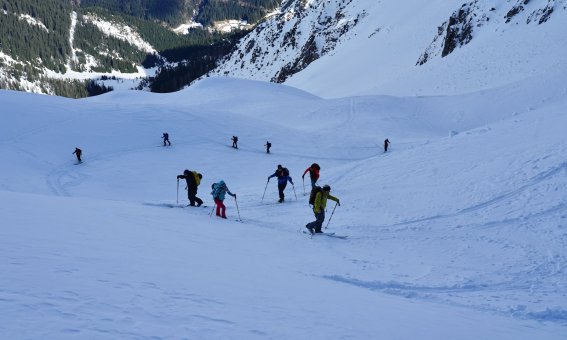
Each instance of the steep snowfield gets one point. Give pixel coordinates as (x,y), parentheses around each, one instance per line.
(368,47)
(385,62)
(459,231)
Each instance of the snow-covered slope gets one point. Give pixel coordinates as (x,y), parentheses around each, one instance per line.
(357,47)
(457,232)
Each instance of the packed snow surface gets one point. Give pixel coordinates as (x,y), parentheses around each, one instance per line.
(459,231)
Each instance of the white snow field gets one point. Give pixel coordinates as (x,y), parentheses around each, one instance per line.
(458,232)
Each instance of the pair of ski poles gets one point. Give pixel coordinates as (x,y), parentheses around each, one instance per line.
(237,209)
(211,214)
(264,194)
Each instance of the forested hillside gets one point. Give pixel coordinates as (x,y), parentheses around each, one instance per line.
(44,42)
(169,11)
(174,12)
(247,10)
(36,31)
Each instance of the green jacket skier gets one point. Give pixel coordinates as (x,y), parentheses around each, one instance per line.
(319,209)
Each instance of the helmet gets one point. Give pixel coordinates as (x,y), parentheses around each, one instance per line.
(326,187)
(279,166)
(186,172)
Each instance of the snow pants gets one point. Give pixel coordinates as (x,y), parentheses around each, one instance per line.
(318,223)
(281,188)
(313,183)
(221,209)
(192,195)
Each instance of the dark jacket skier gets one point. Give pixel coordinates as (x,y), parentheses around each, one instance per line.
(219,191)
(283,177)
(193,179)
(313,173)
(165,138)
(235,142)
(78,152)
(386,144)
(268,146)
(319,209)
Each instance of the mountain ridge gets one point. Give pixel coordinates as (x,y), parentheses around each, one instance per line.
(383,44)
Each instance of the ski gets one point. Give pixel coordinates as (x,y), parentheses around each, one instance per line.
(326,234)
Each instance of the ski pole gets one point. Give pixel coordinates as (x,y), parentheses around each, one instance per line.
(303,179)
(329,221)
(211,214)
(265,189)
(293,185)
(236,201)
(177,191)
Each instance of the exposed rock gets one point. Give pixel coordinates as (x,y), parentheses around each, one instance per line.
(288,42)
(543,14)
(459,30)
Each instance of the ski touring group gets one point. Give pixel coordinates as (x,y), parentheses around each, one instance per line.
(318,196)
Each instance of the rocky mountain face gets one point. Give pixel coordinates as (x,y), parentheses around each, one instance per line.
(306,30)
(459,29)
(300,33)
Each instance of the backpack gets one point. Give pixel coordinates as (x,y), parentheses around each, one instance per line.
(285,172)
(217,189)
(313,195)
(312,169)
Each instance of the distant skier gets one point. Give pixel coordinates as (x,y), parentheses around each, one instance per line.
(165,138)
(319,208)
(268,146)
(313,173)
(386,144)
(193,179)
(219,191)
(235,142)
(283,177)
(78,152)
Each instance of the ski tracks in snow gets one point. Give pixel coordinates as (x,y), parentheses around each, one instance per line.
(559,170)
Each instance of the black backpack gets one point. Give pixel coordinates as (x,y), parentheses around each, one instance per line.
(285,172)
(312,171)
(313,195)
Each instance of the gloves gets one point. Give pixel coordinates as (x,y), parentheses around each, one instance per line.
(339,203)
(303,176)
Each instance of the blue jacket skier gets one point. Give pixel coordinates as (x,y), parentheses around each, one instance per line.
(283,177)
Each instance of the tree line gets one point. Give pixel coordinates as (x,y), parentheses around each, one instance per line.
(46,44)
(174,12)
(49,46)
(251,11)
(200,60)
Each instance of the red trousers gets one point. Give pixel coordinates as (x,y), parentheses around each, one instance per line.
(221,209)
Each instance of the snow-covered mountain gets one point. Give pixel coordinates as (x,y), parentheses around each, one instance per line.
(459,231)
(381,46)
